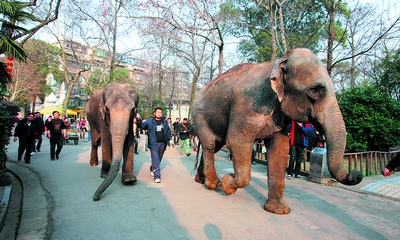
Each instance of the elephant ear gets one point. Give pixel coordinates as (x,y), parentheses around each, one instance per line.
(277,78)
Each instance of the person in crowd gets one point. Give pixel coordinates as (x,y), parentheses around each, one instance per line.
(16,118)
(393,164)
(88,131)
(40,128)
(171,126)
(136,134)
(82,127)
(56,132)
(176,130)
(298,141)
(146,144)
(49,118)
(25,132)
(185,129)
(67,127)
(257,143)
(159,135)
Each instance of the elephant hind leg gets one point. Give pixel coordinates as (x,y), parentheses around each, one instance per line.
(94,159)
(200,177)
(211,179)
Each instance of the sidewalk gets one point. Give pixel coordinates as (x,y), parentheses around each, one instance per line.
(35,205)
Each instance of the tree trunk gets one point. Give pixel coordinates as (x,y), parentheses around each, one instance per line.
(194,88)
(331,12)
(272,31)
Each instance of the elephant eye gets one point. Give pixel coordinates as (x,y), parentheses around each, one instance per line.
(316,92)
(319,90)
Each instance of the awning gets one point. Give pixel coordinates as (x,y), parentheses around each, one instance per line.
(51,109)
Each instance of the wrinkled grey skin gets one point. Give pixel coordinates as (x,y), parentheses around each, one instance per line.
(110,112)
(257,101)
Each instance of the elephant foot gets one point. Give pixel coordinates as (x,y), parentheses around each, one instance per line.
(212,183)
(128,178)
(228,184)
(277,207)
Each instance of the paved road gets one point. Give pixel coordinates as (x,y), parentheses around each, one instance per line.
(58,203)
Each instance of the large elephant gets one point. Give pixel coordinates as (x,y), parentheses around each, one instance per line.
(110,112)
(257,101)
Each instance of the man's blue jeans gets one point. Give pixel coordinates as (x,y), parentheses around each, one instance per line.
(156,157)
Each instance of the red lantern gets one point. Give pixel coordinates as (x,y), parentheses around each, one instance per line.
(9,65)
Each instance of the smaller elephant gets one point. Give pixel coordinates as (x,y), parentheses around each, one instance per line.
(110,112)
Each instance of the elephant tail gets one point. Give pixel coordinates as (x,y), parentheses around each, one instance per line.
(197,155)
(108,180)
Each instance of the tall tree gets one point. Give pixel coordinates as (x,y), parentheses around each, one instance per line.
(367,28)
(371,117)
(266,31)
(388,72)
(202,18)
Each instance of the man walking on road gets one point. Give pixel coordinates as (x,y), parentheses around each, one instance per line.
(56,132)
(159,135)
(25,131)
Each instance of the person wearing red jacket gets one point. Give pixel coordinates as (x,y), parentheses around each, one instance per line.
(298,141)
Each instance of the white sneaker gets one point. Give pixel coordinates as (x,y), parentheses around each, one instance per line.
(151,173)
(32,153)
(157,180)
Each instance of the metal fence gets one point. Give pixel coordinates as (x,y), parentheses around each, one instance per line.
(369,163)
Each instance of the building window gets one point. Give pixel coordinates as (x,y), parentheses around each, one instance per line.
(101,52)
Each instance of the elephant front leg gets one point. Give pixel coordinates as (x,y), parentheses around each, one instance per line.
(128,176)
(106,150)
(277,159)
(241,151)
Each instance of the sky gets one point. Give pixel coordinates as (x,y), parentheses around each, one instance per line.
(133,40)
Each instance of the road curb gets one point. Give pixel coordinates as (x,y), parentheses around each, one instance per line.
(5,200)
(34,223)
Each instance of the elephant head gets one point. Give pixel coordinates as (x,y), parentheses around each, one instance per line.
(117,106)
(307,94)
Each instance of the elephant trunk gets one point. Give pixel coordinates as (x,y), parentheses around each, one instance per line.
(335,133)
(108,180)
(119,128)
